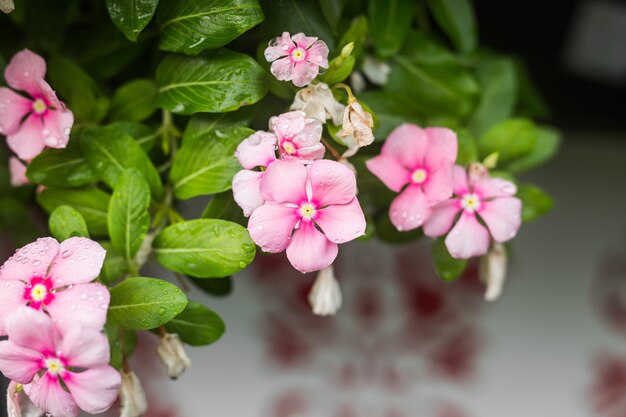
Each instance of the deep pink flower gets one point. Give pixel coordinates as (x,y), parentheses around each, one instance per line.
(56,278)
(296,58)
(308,210)
(416,162)
(37,353)
(17,170)
(486,201)
(298,137)
(40,120)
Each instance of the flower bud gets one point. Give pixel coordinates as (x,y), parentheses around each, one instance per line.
(132,396)
(18,404)
(318,102)
(173,355)
(492,271)
(7,6)
(325,296)
(357,127)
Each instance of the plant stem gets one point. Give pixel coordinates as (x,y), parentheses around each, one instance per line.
(334,152)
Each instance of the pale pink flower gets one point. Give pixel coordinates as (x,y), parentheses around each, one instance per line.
(417,163)
(32,123)
(298,137)
(308,210)
(17,170)
(37,353)
(56,278)
(296,58)
(486,201)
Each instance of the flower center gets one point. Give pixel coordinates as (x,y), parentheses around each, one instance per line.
(419,176)
(289,147)
(39,106)
(307,210)
(39,292)
(298,54)
(54,365)
(470,202)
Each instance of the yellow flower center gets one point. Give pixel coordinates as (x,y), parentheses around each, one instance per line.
(419,176)
(54,365)
(298,54)
(39,292)
(289,148)
(470,202)
(39,106)
(307,211)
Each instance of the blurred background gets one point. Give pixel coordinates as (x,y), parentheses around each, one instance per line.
(405,344)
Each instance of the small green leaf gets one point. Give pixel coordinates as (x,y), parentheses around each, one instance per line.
(456,18)
(66,222)
(217,287)
(197,325)
(114,265)
(191,26)
(120,348)
(223,206)
(204,248)
(134,101)
(145,303)
(131,16)
(535,202)
(547,145)
(512,139)
(390,21)
(61,168)
(357,34)
(447,267)
(129,219)
(340,67)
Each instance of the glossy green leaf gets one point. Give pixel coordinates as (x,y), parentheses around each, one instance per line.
(535,202)
(145,136)
(114,265)
(145,303)
(357,34)
(546,146)
(66,222)
(61,168)
(456,18)
(512,139)
(201,124)
(192,26)
(390,21)
(122,343)
(134,101)
(131,16)
(204,248)
(207,164)
(447,267)
(223,206)
(218,287)
(216,82)
(197,325)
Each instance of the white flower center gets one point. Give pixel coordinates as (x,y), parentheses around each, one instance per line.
(54,365)
(298,54)
(307,210)
(38,292)
(289,148)
(39,106)
(419,176)
(470,202)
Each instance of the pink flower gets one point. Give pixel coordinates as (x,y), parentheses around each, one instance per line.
(298,137)
(308,210)
(46,121)
(486,201)
(37,353)
(416,162)
(56,278)
(296,58)
(18,172)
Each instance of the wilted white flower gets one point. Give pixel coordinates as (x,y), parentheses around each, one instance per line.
(356,129)
(18,404)
(325,296)
(173,355)
(7,6)
(492,270)
(376,71)
(318,102)
(132,396)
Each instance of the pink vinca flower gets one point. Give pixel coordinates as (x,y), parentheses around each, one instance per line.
(296,58)
(417,163)
(17,170)
(34,122)
(298,137)
(308,210)
(66,370)
(56,278)
(480,201)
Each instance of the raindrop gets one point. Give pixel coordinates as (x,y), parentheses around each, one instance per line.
(162,311)
(66,253)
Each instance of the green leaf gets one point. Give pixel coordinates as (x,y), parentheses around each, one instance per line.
(447,267)
(114,265)
(391,110)
(144,135)
(109,152)
(207,164)
(357,34)
(61,168)
(456,18)
(192,26)
(145,303)
(120,348)
(468,150)
(131,16)
(512,139)
(91,203)
(204,248)
(134,101)
(197,325)
(340,67)
(66,222)
(332,10)
(546,146)
(387,232)
(216,82)
(223,206)
(535,202)
(201,124)
(218,287)
(390,21)
(129,219)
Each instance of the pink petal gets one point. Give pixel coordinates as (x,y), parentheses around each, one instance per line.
(247,190)
(270,226)
(48,94)
(310,250)
(311,153)
(303,73)
(318,54)
(282,69)
(442,147)
(303,41)
(32,329)
(310,134)
(468,238)
(28,141)
(342,223)
(30,260)
(331,183)
(94,390)
(48,394)
(11,297)
(79,261)
(503,217)
(409,209)
(459,180)
(58,125)
(13,108)
(441,218)
(288,125)
(258,150)
(495,187)
(438,186)
(389,171)
(80,305)
(18,172)
(407,144)
(279,47)
(18,363)
(24,72)
(85,347)
(285,182)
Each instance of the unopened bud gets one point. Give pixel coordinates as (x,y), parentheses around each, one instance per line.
(492,270)
(173,355)
(491,160)
(325,296)
(132,396)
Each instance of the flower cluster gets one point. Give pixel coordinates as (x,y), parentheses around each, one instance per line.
(53,315)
